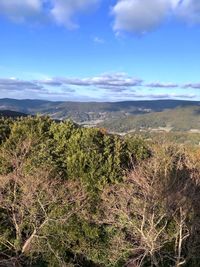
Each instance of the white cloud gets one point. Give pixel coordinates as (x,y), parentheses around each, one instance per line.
(139,16)
(60,11)
(98,40)
(19,10)
(63,11)
(192,85)
(174,3)
(189,10)
(162,85)
(135,16)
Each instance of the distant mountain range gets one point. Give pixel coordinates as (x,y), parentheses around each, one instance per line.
(118,116)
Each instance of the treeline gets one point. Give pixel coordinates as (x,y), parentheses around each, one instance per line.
(72,196)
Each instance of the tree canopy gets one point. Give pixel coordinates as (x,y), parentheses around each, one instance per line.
(73,196)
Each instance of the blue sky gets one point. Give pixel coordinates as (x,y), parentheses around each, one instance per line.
(100,50)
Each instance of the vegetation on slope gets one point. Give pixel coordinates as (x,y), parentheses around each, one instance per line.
(179,119)
(71,196)
(92,111)
(11,114)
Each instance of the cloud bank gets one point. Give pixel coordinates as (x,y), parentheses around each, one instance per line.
(13,84)
(113,82)
(106,86)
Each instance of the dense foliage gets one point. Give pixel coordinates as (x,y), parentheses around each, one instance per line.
(73,196)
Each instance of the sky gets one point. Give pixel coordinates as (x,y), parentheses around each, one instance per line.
(100,50)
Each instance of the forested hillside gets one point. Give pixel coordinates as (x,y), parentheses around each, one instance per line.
(179,119)
(96,112)
(73,196)
(11,114)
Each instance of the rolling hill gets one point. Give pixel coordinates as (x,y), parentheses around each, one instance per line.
(179,119)
(86,111)
(175,115)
